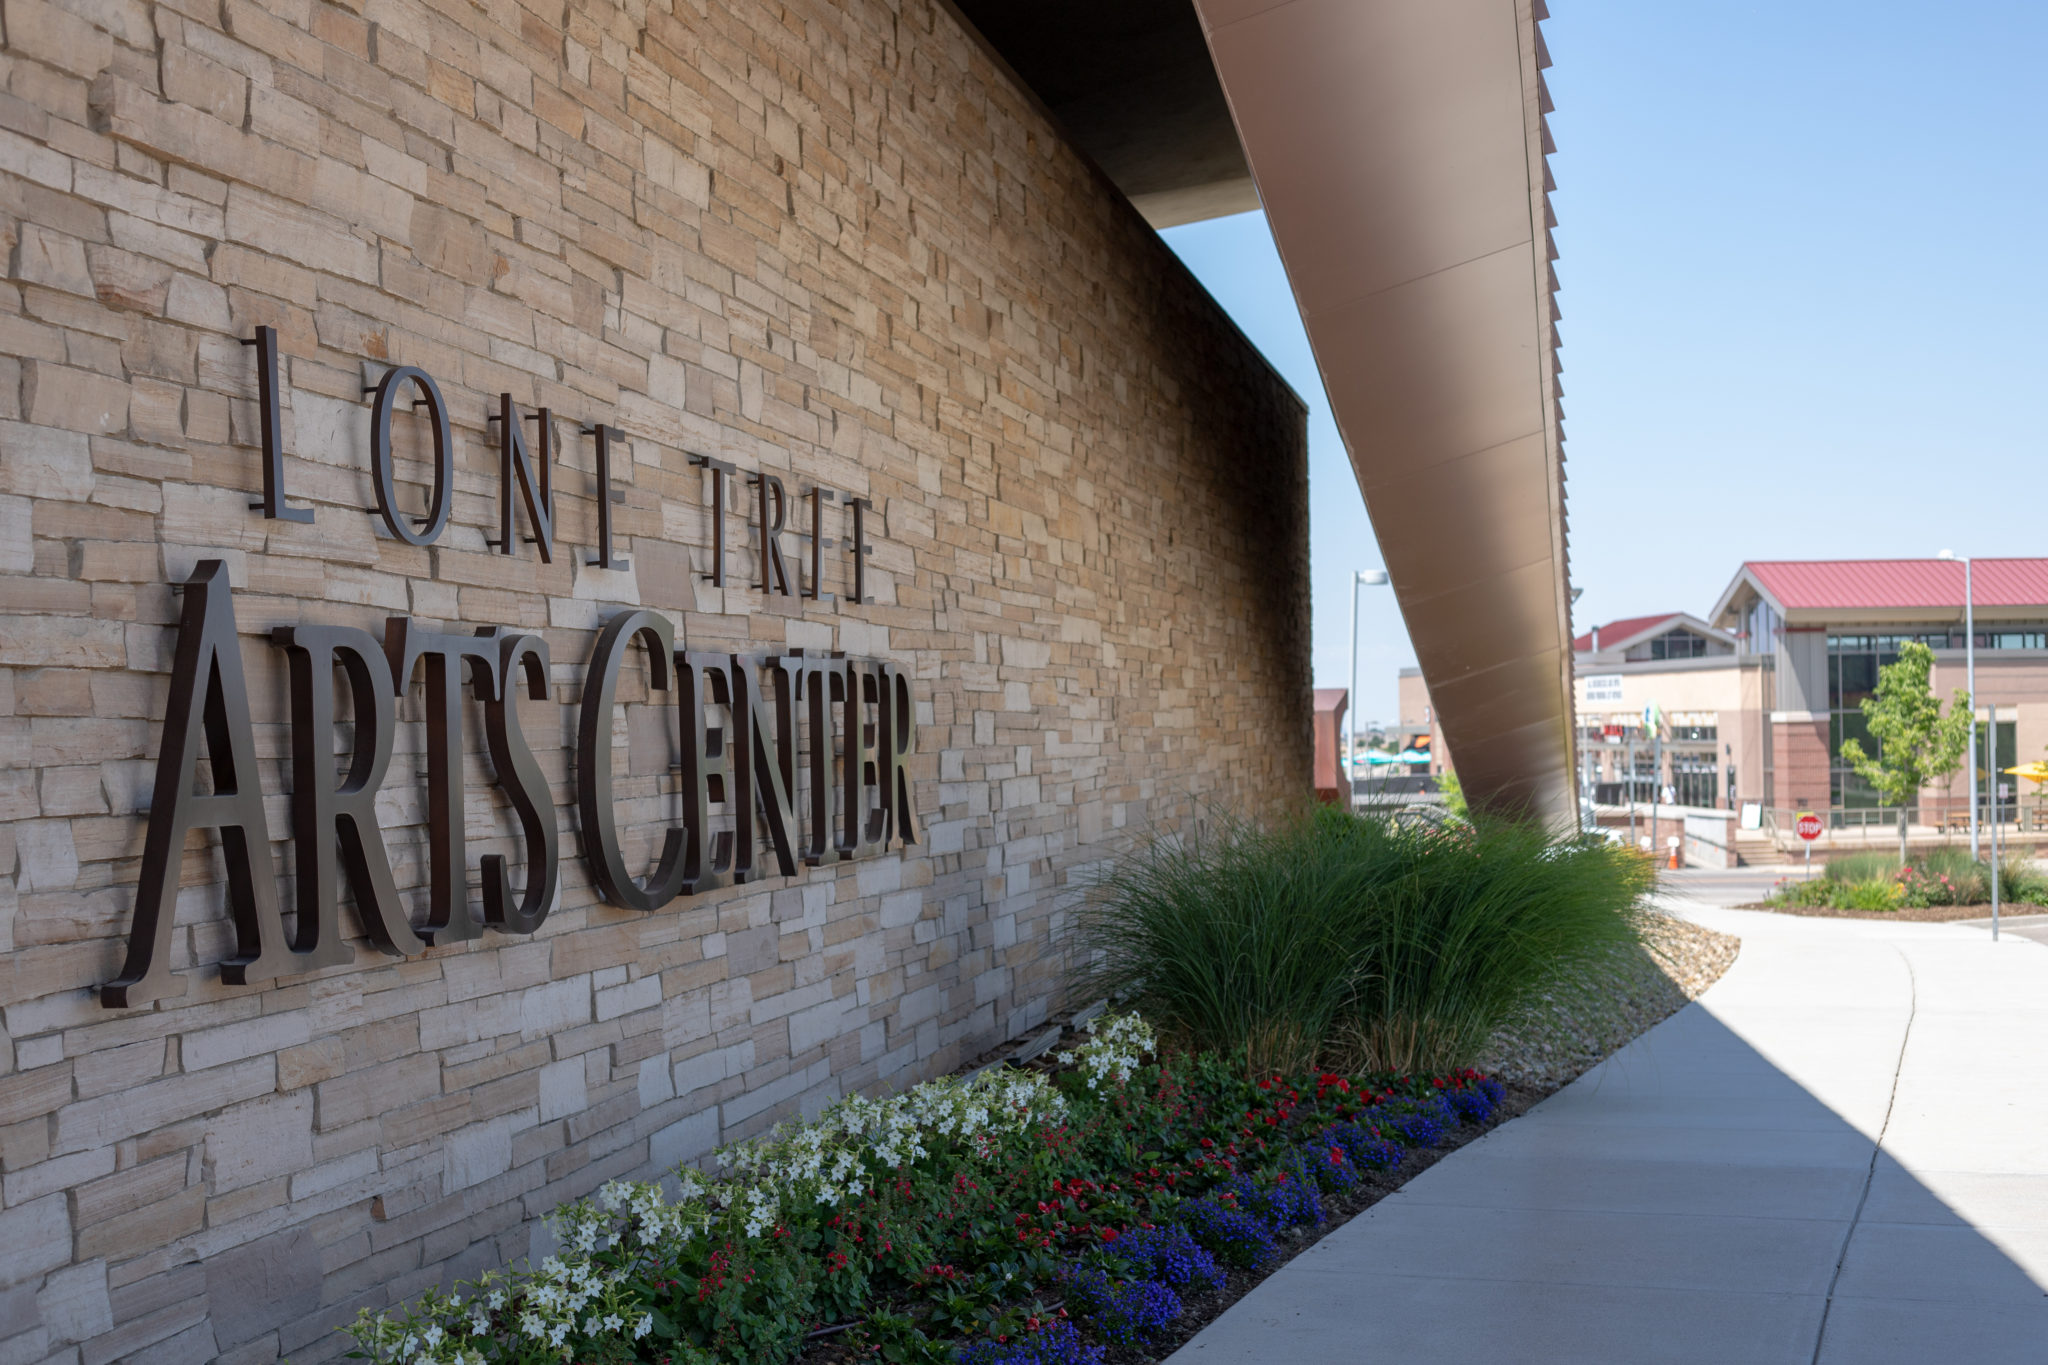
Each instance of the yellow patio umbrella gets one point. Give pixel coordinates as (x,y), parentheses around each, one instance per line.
(2036,771)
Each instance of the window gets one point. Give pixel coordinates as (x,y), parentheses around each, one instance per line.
(1678,644)
(1760,627)
(1696,779)
(1695,732)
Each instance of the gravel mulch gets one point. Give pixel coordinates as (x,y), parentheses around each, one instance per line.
(1918,914)
(1603,1007)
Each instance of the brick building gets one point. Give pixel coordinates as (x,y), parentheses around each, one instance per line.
(1755,697)
(780,284)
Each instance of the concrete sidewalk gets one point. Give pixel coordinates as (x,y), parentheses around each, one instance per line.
(1840,1154)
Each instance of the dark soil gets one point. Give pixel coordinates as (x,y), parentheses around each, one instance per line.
(1923,914)
(1203,1306)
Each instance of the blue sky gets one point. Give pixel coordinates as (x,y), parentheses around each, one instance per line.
(1804,268)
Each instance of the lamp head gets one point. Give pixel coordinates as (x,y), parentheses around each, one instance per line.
(1946,554)
(1372,576)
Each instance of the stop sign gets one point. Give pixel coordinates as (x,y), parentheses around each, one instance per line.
(1809,826)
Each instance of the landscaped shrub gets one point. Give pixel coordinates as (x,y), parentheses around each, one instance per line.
(1234,1235)
(1357,941)
(2021,882)
(1366,1148)
(1121,1312)
(1940,876)
(1871,896)
(1056,1343)
(1166,1254)
(938,1224)
(1872,866)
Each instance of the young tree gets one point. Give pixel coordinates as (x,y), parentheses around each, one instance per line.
(1916,743)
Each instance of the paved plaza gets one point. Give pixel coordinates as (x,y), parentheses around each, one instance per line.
(1839,1154)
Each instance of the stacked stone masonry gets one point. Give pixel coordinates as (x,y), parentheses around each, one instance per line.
(828,240)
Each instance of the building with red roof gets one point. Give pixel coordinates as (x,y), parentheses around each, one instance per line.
(1750,703)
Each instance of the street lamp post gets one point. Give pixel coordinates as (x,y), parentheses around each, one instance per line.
(1970,685)
(1374,577)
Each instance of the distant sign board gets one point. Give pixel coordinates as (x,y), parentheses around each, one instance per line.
(1603,687)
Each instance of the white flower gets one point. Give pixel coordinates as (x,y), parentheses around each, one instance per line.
(644,1326)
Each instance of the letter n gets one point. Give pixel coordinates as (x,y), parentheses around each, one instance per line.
(516,471)
(208,698)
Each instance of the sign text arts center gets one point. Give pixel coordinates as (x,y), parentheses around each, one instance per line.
(845,726)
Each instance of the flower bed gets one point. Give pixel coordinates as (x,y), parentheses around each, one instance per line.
(1935,879)
(1011,1219)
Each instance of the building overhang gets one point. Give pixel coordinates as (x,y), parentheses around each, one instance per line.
(1398,149)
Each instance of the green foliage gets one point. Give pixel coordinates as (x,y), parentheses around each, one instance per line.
(976,1205)
(1939,876)
(1453,793)
(1809,893)
(1354,941)
(2021,882)
(1917,744)
(1872,896)
(1862,867)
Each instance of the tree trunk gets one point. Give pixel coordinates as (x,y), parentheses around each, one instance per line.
(1902,836)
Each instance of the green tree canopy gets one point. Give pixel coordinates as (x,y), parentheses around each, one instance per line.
(1917,744)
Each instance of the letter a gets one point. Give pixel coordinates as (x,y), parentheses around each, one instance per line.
(208,696)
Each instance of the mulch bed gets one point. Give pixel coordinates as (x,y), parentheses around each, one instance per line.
(1918,914)
(1202,1305)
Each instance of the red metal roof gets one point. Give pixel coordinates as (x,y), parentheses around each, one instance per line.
(1853,584)
(1614,632)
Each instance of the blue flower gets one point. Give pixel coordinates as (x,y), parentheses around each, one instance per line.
(1056,1344)
(1167,1254)
(1330,1166)
(1473,1106)
(1366,1148)
(1121,1312)
(1286,1198)
(1233,1234)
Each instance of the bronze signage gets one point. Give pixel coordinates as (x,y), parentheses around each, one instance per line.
(810,762)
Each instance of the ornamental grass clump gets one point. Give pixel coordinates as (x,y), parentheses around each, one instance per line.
(1354,941)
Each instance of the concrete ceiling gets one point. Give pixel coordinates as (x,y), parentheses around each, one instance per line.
(1132,83)
(1398,148)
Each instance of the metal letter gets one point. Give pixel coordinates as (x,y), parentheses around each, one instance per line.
(330,822)
(514,465)
(606,495)
(270,413)
(862,831)
(720,472)
(861,549)
(594,763)
(526,785)
(819,684)
(448,914)
(704,680)
(899,742)
(774,575)
(429,527)
(763,786)
(207,695)
(820,542)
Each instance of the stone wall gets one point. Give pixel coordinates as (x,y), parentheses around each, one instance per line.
(830,241)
